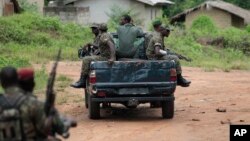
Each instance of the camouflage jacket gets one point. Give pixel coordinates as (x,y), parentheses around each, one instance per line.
(32,114)
(103,44)
(156,40)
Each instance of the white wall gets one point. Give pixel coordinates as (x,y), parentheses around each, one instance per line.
(99,8)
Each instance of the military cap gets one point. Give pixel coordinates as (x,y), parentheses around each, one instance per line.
(94,25)
(157,23)
(103,26)
(25,73)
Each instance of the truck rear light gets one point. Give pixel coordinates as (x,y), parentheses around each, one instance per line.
(101,94)
(92,77)
(173,75)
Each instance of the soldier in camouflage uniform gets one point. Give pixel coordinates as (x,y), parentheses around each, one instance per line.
(27,83)
(95,30)
(107,53)
(155,51)
(32,117)
(22,117)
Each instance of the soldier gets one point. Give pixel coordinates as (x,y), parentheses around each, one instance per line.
(107,53)
(26,81)
(22,117)
(155,51)
(127,34)
(95,30)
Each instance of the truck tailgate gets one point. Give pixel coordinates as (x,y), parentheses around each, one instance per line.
(125,77)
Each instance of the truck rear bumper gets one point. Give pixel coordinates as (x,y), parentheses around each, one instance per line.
(139,99)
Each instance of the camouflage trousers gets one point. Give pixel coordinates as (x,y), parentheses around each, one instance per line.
(86,62)
(169,58)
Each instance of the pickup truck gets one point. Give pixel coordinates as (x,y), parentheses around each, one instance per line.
(131,82)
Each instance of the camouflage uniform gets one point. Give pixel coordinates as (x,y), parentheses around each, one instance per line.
(104,53)
(158,40)
(32,114)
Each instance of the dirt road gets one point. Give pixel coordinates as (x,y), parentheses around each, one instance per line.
(196,118)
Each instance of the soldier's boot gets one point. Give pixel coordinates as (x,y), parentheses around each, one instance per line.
(81,83)
(181,81)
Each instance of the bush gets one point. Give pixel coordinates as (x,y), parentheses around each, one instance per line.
(248,28)
(203,26)
(236,38)
(15,62)
(37,38)
(208,57)
(115,14)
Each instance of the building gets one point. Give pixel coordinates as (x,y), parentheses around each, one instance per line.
(223,14)
(7,7)
(96,10)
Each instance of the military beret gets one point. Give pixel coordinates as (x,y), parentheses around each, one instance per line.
(103,26)
(25,73)
(157,23)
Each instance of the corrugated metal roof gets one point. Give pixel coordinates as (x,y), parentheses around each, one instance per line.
(230,8)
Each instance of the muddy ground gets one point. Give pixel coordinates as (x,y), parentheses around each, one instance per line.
(196,118)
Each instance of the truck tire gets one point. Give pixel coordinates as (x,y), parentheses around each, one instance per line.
(94,108)
(168,109)
(86,98)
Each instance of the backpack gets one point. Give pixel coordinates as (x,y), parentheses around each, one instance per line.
(11,126)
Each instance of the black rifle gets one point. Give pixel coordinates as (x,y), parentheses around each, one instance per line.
(50,96)
(181,57)
(49,106)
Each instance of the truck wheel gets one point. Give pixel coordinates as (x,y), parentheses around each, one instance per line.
(86,98)
(94,108)
(168,109)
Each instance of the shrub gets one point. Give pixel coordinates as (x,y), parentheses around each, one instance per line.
(115,14)
(203,26)
(236,38)
(15,62)
(248,28)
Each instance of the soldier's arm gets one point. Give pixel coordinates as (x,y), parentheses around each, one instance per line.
(140,32)
(38,116)
(112,50)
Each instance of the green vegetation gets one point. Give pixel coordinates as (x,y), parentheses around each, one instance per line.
(36,38)
(115,14)
(30,38)
(229,56)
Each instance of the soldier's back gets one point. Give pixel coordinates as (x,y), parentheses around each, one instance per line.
(21,117)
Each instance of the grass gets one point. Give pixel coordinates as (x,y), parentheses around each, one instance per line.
(28,38)
(229,57)
(37,39)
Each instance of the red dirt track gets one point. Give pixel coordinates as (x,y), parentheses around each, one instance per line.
(196,118)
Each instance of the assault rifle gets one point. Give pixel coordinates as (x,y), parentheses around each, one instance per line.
(49,106)
(50,96)
(181,57)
